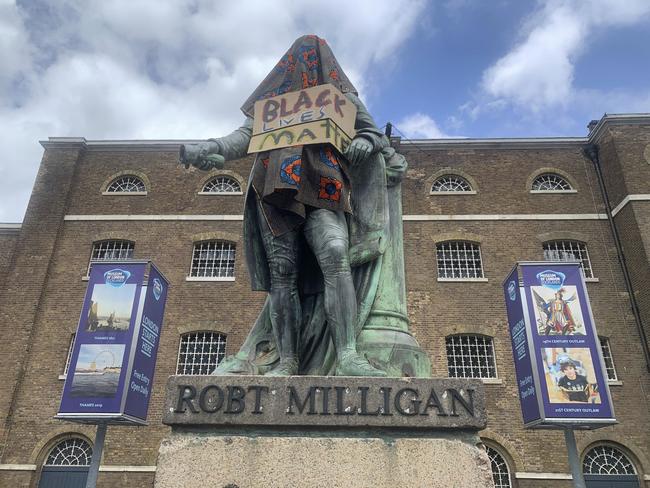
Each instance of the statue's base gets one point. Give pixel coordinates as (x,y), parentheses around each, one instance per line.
(323,431)
(328,460)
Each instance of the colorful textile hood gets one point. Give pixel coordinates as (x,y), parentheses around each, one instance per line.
(308,62)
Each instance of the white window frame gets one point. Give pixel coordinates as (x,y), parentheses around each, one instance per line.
(606,350)
(505,462)
(568,190)
(489,343)
(449,243)
(580,248)
(471,190)
(221,193)
(68,358)
(99,243)
(609,456)
(220,342)
(78,443)
(197,277)
(132,193)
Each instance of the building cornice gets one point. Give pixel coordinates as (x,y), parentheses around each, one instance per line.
(10,227)
(430,144)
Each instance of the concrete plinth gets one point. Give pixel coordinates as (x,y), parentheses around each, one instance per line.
(328,460)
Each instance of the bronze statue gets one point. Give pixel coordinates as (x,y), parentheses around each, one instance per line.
(317,227)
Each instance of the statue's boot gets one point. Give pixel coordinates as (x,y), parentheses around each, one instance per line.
(286,367)
(354,365)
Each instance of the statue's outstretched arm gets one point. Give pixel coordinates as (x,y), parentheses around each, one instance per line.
(369,139)
(214,152)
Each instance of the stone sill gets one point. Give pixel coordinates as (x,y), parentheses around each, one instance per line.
(592,280)
(452,193)
(614,382)
(206,278)
(126,193)
(554,192)
(224,194)
(491,381)
(477,280)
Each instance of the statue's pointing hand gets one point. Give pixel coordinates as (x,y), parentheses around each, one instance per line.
(204,155)
(358,150)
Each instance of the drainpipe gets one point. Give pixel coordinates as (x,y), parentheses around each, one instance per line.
(591,152)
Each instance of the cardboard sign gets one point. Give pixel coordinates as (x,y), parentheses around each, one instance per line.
(558,362)
(114,356)
(317,115)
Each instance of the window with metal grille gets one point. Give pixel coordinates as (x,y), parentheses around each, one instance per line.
(200,352)
(126,184)
(213,259)
(69,356)
(70,452)
(500,471)
(459,259)
(470,356)
(550,182)
(569,251)
(110,251)
(607,460)
(607,357)
(450,183)
(222,184)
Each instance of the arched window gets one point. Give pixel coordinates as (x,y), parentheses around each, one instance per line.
(569,251)
(200,352)
(470,356)
(551,182)
(451,184)
(73,451)
(126,184)
(500,470)
(606,465)
(213,259)
(459,260)
(222,184)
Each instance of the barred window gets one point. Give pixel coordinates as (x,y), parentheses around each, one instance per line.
(200,352)
(69,356)
(607,357)
(569,251)
(470,356)
(222,184)
(550,182)
(70,452)
(126,184)
(450,183)
(500,471)
(459,259)
(213,259)
(607,460)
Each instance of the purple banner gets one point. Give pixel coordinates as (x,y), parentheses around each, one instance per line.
(100,374)
(146,349)
(563,346)
(526,384)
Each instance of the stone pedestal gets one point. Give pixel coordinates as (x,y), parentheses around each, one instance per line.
(205,459)
(314,431)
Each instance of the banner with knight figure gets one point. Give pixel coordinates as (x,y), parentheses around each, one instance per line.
(558,361)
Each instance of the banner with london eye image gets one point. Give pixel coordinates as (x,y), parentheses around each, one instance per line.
(113,360)
(97,373)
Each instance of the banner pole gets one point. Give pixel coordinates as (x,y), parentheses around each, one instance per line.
(93,471)
(574,460)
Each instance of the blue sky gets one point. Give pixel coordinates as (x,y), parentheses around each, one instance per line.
(180,69)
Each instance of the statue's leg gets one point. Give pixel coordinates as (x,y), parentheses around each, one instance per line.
(327,235)
(283,254)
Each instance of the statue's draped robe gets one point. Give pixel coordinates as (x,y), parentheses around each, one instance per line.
(310,62)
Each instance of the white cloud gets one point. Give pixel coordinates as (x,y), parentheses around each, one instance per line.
(538,72)
(420,126)
(129,69)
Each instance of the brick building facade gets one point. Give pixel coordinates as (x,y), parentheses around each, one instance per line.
(511,199)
